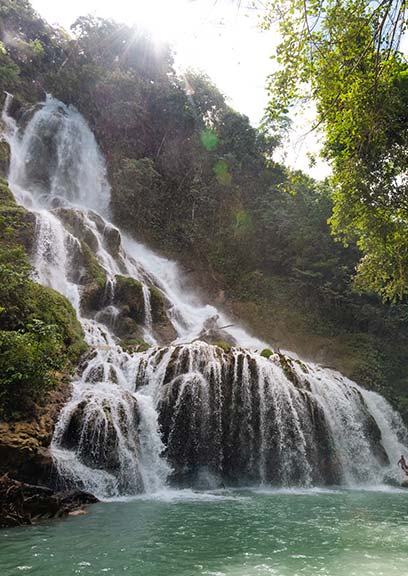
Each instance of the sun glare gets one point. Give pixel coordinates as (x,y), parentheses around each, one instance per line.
(219,37)
(167,21)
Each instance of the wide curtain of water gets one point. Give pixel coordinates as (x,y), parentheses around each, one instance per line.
(184,411)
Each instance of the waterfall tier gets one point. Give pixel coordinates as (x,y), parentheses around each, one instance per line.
(182,410)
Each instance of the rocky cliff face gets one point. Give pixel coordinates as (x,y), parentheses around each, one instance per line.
(24,443)
(169,390)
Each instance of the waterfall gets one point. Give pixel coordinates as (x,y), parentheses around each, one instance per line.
(183,409)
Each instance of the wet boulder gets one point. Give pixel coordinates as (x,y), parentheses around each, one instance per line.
(213,333)
(128,302)
(112,240)
(162,325)
(85,269)
(183,423)
(96,430)
(74,221)
(286,364)
(128,297)
(92,297)
(372,432)
(94,281)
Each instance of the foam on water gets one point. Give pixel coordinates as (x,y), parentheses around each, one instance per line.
(336,533)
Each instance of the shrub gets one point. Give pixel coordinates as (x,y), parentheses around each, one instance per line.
(39,335)
(28,360)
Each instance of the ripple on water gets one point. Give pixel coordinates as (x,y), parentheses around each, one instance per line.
(230,532)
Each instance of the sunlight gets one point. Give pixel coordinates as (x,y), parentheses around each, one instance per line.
(205,35)
(208,36)
(167,21)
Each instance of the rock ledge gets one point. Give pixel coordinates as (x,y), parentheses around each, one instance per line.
(22,503)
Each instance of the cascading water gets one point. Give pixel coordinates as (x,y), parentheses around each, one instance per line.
(183,409)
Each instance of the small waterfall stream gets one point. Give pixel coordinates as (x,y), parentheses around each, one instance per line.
(182,410)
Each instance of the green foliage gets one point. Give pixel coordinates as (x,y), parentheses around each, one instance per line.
(209,140)
(27,361)
(343,56)
(9,72)
(16,223)
(15,284)
(242,223)
(29,47)
(266,353)
(94,272)
(37,47)
(225,346)
(39,332)
(6,197)
(222,173)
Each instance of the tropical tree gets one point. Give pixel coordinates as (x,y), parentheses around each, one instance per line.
(343,55)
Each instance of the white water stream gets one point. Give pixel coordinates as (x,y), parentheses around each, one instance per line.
(184,408)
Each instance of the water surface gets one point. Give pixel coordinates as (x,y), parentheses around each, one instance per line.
(232,533)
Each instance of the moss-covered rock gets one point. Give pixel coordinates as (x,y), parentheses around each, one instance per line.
(126,328)
(73,221)
(133,345)
(266,353)
(163,328)
(302,365)
(92,296)
(128,296)
(128,303)
(6,196)
(94,272)
(93,278)
(4,158)
(158,304)
(40,340)
(225,346)
(290,373)
(53,308)
(17,225)
(112,240)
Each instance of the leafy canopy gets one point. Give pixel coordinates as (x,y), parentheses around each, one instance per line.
(344,57)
